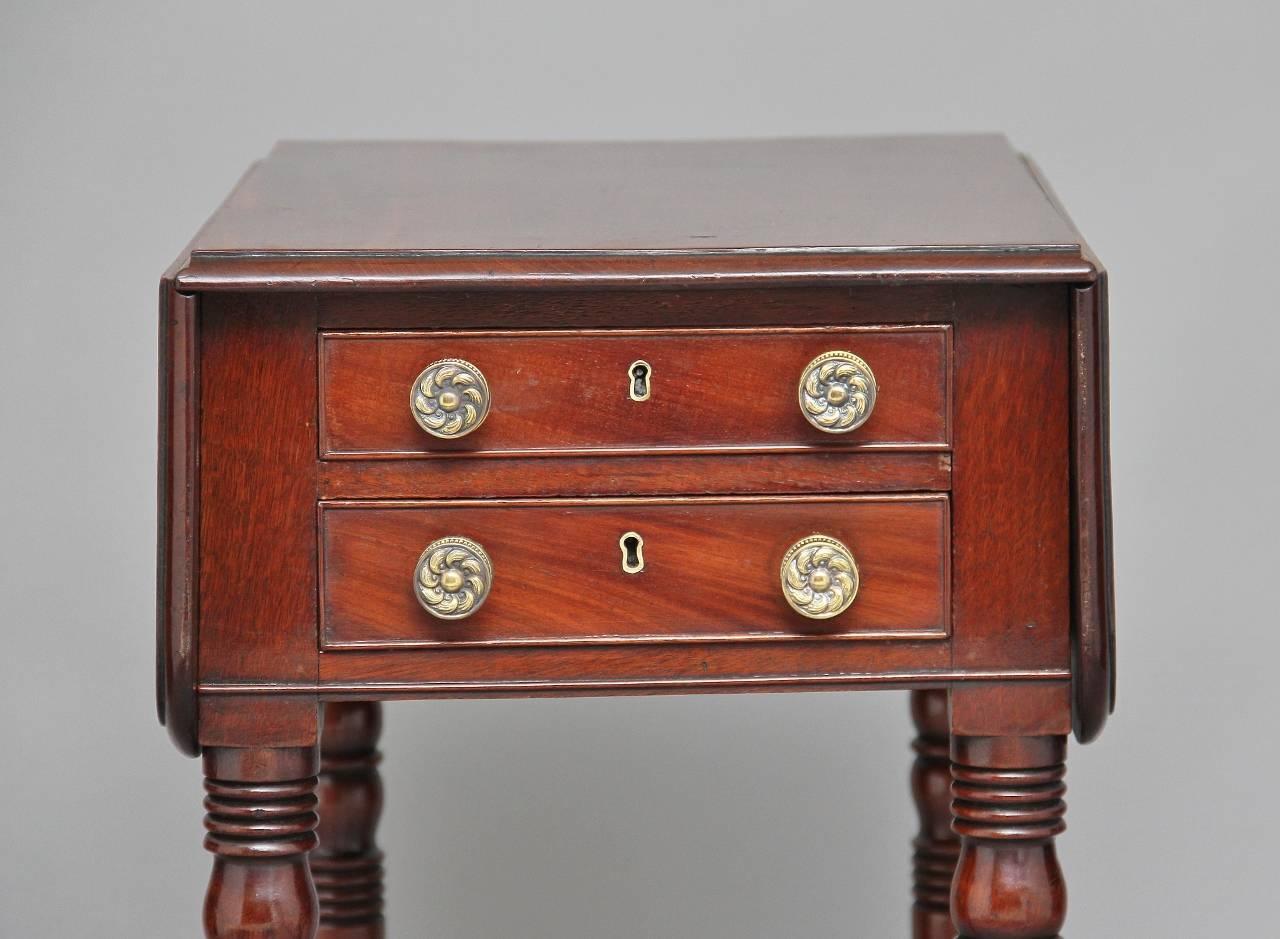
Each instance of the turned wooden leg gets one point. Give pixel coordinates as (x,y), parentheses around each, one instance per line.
(1008,807)
(347,865)
(261,821)
(936,846)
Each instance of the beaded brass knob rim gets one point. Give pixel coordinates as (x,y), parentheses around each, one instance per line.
(453,577)
(837,392)
(819,577)
(450,398)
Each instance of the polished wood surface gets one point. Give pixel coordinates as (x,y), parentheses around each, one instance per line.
(347,864)
(296,491)
(257,591)
(556,392)
(1010,499)
(177,515)
(711,570)
(840,469)
(1008,808)
(1094,637)
(936,846)
(261,822)
(695,196)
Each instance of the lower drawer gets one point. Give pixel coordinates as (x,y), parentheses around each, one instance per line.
(632,570)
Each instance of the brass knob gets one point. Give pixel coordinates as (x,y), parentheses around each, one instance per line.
(450,398)
(837,392)
(819,577)
(452,578)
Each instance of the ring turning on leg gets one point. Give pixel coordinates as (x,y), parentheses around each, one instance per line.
(1008,807)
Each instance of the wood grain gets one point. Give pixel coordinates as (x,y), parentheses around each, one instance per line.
(711,571)
(644,668)
(347,863)
(1008,807)
(261,823)
(1011,497)
(556,392)
(296,492)
(258,481)
(652,473)
(936,847)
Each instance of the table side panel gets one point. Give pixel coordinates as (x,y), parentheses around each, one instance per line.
(258,486)
(1011,501)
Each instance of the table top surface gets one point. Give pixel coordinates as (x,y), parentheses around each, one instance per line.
(895,194)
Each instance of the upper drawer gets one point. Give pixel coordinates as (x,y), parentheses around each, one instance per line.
(576,391)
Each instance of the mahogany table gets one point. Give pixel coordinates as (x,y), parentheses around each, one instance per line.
(481,419)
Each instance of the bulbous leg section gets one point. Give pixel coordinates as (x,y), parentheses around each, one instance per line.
(1008,807)
(936,846)
(347,865)
(261,821)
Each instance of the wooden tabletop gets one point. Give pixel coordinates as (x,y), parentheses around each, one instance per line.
(393,202)
(400,215)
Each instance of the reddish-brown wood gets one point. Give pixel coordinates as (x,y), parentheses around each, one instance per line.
(257,596)
(177,516)
(1010,494)
(347,864)
(936,846)
(689,196)
(1093,637)
(983,709)
(631,668)
(1093,646)
(562,392)
(976,498)
(815,473)
(633,308)
(711,569)
(261,822)
(1008,808)
(295,272)
(260,720)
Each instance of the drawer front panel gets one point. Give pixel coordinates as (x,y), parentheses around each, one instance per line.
(711,570)
(565,392)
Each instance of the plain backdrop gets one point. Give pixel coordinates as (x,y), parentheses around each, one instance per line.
(123,124)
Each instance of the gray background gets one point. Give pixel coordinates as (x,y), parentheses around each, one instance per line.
(123,124)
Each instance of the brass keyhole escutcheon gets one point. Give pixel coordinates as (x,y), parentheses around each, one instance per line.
(639,377)
(632,546)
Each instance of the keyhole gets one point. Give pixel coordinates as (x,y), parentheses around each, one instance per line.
(632,553)
(639,376)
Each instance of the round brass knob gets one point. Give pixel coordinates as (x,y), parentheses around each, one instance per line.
(450,398)
(452,578)
(837,392)
(819,577)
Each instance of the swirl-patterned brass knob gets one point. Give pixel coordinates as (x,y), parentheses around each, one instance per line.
(819,577)
(837,392)
(453,577)
(450,398)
